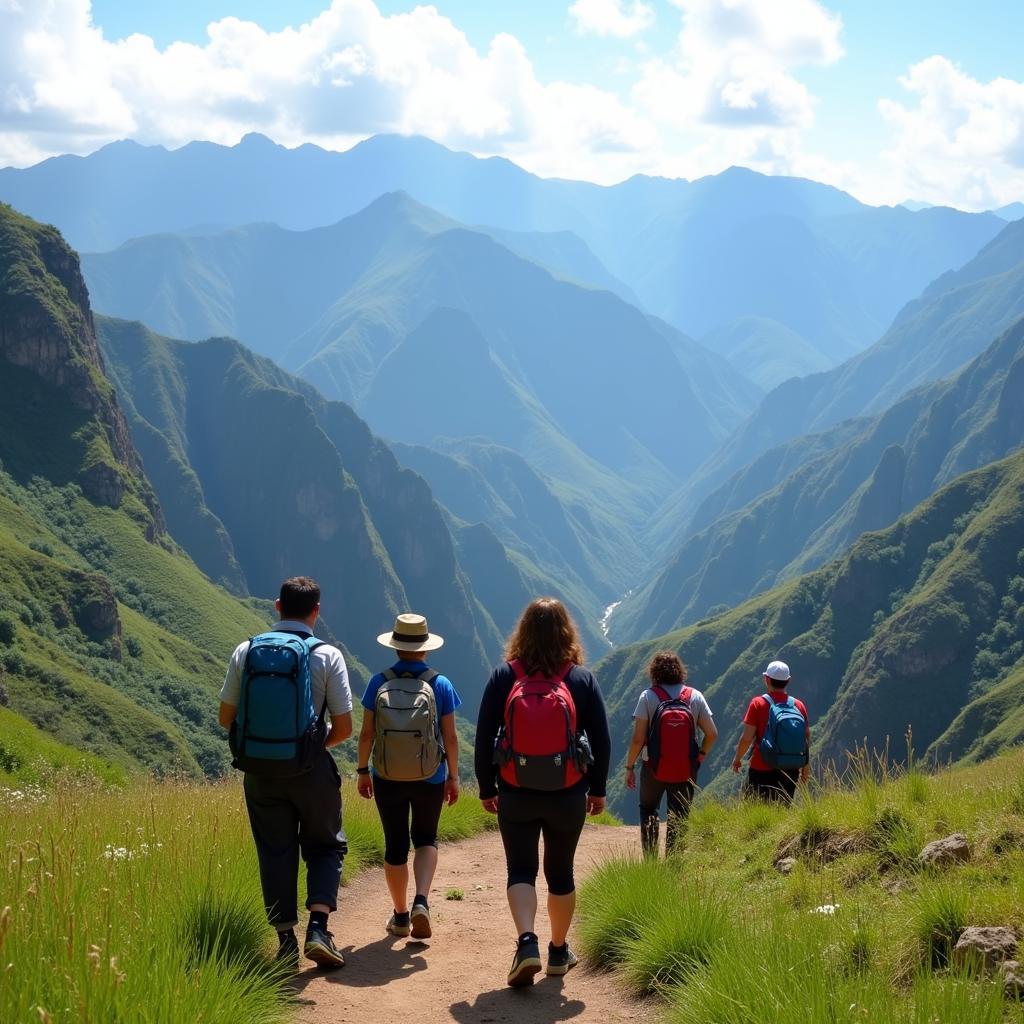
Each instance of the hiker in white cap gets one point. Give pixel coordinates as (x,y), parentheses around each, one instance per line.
(409,728)
(777,728)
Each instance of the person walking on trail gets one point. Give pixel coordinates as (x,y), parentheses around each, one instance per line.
(778,729)
(277,691)
(541,760)
(665,724)
(409,728)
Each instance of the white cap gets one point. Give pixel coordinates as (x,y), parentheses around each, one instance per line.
(777,670)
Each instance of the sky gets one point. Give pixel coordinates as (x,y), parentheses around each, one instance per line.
(896,100)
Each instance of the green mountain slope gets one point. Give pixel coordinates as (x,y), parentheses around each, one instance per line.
(765,350)
(909,629)
(863,483)
(951,322)
(327,497)
(111,640)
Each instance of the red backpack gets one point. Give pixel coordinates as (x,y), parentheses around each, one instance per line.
(537,747)
(672,737)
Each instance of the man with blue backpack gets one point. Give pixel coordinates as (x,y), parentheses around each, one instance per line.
(778,729)
(277,693)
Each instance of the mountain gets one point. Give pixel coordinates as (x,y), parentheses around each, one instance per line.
(112,642)
(398,297)
(917,627)
(698,254)
(328,497)
(950,323)
(765,525)
(1014,211)
(765,350)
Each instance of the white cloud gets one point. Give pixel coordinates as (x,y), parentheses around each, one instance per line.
(957,140)
(612,17)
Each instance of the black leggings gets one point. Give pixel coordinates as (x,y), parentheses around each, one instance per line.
(395,801)
(525,815)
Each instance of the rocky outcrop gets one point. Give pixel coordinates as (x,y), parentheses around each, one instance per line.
(954,849)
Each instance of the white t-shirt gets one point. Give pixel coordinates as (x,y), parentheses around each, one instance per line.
(327,669)
(649,701)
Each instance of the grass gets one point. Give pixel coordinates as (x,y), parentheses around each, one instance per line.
(141,904)
(858,931)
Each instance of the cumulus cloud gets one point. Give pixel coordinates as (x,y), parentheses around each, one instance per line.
(347,73)
(956,139)
(612,17)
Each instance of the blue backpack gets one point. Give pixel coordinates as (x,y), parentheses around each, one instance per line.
(276,730)
(784,744)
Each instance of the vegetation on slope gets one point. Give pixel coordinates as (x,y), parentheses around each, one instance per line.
(857,930)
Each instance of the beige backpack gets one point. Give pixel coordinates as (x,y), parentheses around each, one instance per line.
(407,745)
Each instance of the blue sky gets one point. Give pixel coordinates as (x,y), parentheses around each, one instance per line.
(889,100)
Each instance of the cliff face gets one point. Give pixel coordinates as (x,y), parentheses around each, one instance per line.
(47,332)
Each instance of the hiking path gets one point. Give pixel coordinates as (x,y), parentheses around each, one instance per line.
(459,973)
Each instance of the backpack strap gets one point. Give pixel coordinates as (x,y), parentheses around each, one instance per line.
(686,694)
(661,693)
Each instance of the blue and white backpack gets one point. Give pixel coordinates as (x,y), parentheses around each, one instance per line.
(276,730)
(784,744)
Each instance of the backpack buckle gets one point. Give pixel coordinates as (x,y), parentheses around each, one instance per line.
(522,761)
(558,760)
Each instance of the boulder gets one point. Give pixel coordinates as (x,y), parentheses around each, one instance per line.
(954,849)
(984,948)
(1013,979)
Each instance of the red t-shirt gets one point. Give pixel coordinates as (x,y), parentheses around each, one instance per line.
(757,716)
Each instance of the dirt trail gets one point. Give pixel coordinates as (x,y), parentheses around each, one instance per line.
(459,974)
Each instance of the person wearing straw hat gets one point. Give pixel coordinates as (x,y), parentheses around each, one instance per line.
(409,733)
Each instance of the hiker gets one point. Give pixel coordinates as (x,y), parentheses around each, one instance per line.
(778,729)
(665,725)
(278,688)
(542,752)
(409,725)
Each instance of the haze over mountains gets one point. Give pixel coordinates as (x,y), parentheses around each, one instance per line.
(465,385)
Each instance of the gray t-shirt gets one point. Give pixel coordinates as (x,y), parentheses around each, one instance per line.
(649,701)
(326,665)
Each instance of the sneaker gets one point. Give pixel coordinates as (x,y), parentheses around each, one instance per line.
(561,959)
(321,950)
(421,921)
(287,955)
(526,963)
(398,924)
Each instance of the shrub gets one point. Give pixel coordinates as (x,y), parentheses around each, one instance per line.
(8,628)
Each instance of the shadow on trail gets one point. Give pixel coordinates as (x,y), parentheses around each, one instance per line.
(376,963)
(543,1001)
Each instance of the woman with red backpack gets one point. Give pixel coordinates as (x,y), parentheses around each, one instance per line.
(665,723)
(542,752)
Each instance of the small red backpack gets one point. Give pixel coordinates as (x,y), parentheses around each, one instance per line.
(672,737)
(537,747)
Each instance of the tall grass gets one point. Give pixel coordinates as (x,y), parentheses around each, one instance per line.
(143,905)
(857,931)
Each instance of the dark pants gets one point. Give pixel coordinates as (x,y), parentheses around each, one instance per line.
(289,816)
(526,815)
(408,810)
(680,796)
(776,785)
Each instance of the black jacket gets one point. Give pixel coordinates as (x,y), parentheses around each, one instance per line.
(590,718)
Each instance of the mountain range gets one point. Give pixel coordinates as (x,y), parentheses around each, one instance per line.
(697,254)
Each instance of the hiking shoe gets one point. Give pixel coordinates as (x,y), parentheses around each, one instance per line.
(561,960)
(287,956)
(398,924)
(526,963)
(321,950)
(421,921)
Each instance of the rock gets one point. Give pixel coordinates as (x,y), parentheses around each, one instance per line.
(785,865)
(984,947)
(942,853)
(1013,979)
(894,886)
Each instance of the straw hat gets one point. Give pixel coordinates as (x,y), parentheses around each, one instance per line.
(411,634)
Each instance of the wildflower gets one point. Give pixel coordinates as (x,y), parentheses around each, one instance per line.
(828,909)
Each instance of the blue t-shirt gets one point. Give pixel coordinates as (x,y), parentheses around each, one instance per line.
(444,694)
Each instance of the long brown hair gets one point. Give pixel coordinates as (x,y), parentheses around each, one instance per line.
(545,637)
